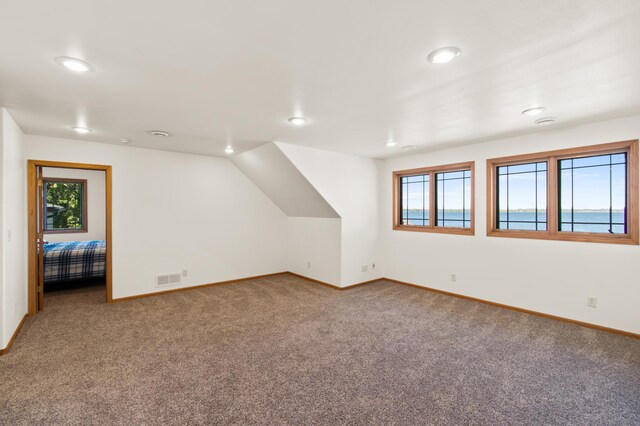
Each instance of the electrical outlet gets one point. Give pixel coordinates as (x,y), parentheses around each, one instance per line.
(9,235)
(454,278)
(185,273)
(365,268)
(308,265)
(592,302)
(373,266)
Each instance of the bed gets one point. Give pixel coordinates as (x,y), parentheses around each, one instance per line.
(74,260)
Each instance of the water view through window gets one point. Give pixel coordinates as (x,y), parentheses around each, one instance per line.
(522,197)
(415,200)
(453,199)
(593,194)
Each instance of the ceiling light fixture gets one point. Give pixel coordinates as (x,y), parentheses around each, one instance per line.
(545,121)
(160,133)
(391,144)
(297,121)
(81,130)
(125,140)
(533,111)
(444,55)
(409,147)
(74,64)
(229,149)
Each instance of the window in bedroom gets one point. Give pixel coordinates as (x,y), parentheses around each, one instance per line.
(585,194)
(66,205)
(434,199)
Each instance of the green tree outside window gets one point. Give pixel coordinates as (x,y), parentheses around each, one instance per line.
(65,205)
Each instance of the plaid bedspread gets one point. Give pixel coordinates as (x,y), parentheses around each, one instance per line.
(74,260)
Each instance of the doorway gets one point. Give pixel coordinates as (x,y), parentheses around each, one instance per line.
(41,214)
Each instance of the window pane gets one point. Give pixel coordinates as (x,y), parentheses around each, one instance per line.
(593,194)
(522,197)
(523,226)
(415,200)
(600,160)
(618,158)
(65,205)
(453,199)
(520,168)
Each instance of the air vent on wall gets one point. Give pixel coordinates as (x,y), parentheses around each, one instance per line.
(169,279)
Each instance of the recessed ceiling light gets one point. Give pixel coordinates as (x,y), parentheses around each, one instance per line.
(81,130)
(545,121)
(444,55)
(409,147)
(297,121)
(160,133)
(391,144)
(74,64)
(125,140)
(533,111)
(229,149)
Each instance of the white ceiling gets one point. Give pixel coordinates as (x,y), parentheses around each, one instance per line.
(213,72)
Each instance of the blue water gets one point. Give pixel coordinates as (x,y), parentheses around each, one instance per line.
(449,218)
(585,221)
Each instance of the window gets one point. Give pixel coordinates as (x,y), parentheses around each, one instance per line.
(434,199)
(582,194)
(454,199)
(593,194)
(66,205)
(522,196)
(415,200)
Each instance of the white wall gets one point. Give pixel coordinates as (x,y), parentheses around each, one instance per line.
(13,276)
(314,248)
(175,211)
(553,277)
(349,184)
(314,228)
(96,204)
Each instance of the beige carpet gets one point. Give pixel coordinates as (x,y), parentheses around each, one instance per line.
(283,350)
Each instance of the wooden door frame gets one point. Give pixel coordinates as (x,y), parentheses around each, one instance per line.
(31,213)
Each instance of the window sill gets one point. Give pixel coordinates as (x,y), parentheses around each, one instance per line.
(583,237)
(435,229)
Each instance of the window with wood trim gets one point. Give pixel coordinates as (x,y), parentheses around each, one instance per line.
(585,194)
(434,199)
(522,196)
(66,205)
(453,199)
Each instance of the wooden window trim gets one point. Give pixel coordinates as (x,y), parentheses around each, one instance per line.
(85,217)
(431,171)
(552,158)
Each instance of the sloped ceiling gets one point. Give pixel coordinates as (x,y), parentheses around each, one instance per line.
(271,171)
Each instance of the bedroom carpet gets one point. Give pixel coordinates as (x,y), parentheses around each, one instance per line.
(283,350)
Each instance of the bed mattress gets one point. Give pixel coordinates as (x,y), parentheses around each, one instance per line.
(74,260)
